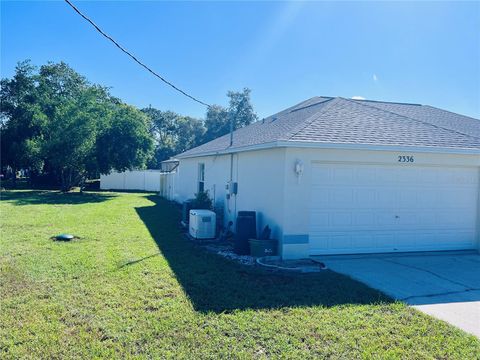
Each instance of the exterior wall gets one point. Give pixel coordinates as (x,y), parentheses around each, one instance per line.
(217,174)
(297,188)
(261,187)
(268,184)
(259,175)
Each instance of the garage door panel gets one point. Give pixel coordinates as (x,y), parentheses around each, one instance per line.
(454,198)
(446,178)
(341,220)
(341,241)
(365,175)
(406,175)
(336,243)
(322,241)
(407,197)
(343,175)
(426,198)
(408,239)
(452,220)
(384,241)
(364,241)
(385,197)
(463,238)
(364,219)
(370,208)
(429,176)
(319,220)
(365,197)
(462,197)
(406,218)
(319,172)
(427,217)
(320,197)
(427,239)
(386,219)
(341,198)
(387,177)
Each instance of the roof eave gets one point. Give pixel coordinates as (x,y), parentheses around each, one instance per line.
(318,145)
(378,147)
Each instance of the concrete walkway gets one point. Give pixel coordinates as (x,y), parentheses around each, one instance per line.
(445,285)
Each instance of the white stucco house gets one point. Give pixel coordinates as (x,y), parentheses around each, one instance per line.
(343,176)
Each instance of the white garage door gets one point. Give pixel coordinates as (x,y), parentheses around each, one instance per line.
(377,208)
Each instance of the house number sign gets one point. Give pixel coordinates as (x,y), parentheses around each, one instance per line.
(405,159)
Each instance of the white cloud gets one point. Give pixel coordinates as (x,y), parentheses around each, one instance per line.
(375,78)
(358,97)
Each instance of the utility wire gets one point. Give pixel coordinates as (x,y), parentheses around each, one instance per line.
(133,56)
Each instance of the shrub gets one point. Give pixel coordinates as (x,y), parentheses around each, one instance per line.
(202,200)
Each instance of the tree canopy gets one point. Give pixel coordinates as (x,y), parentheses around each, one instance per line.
(176,133)
(173,133)
(55,123)
(239,112)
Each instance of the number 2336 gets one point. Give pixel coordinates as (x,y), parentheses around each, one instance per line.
(405,159)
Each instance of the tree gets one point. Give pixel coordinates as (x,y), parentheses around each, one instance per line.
(189,133)
(163,130)
(240,108)
(56,123)
(21,119)
(69,128)
(173,133)
(239,113)
(216,122)
(125,143)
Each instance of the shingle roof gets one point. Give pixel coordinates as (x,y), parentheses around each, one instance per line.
(327,120)
(432,115)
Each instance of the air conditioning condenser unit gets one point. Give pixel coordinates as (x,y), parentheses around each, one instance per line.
(202,224)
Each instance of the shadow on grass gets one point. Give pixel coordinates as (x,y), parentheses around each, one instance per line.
(216,284)
(41,197)
(136,261)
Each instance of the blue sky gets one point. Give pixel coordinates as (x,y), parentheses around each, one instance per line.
(426,53)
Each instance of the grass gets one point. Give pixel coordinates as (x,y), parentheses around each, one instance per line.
(133,287)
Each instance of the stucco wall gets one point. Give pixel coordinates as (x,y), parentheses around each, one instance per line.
(261,187)
(268,184)
(259,175)
(217,172)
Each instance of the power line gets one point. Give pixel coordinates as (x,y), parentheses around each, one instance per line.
(133,56)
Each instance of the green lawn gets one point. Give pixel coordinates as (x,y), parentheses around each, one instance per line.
(133,287)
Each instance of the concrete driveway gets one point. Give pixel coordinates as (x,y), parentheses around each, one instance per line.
(445,285)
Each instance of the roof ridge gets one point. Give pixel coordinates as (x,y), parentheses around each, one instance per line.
(387,102)
(312,118)
(287,110)
(321,100)
(417,120)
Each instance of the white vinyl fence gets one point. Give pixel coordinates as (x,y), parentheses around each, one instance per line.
(144,180)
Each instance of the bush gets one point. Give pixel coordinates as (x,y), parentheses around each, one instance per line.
(202,200)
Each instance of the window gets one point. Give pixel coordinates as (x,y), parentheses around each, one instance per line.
(201,177)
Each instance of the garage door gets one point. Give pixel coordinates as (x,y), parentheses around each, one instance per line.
(376,208)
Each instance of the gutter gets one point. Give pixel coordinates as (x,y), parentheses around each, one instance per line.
(317,145)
